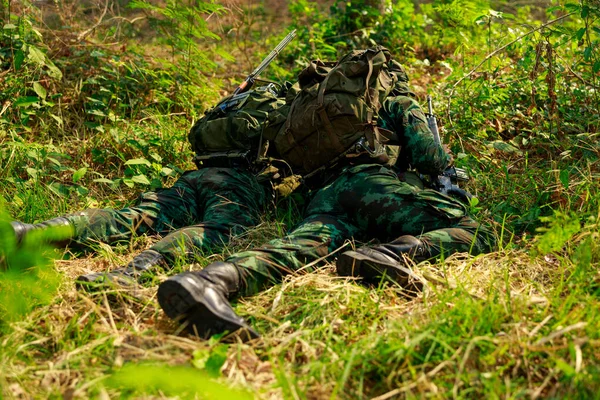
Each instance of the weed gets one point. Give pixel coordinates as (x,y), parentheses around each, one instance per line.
(91,114)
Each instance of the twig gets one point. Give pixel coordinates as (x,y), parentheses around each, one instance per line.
(465,358)
(109,312)
(83,34)
(421,378)
(498,50)
(540,325)
(130,21)
(577,75)
(561,332)
(318,260)
(539,390)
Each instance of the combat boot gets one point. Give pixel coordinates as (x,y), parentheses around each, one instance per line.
(385,261)
(141,269)
(201,299)
(22,229)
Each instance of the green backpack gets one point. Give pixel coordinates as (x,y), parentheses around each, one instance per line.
(238,128)
(336,108)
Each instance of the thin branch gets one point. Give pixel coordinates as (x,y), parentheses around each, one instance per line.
(83,34)
(498,50)
(576,75)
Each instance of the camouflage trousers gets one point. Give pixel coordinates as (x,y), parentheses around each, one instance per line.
(365,202)
(199,212)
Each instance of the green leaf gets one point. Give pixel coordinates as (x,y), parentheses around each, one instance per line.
(585,11)
(567,369)
(96,54)
(504,147)
(211,360)
(26,101)
(215,361)
(36,55)
(142,179)
(9,27)
(561,228)
(79,174)
(138,161)
(182,382)
(583,255)
(564,178)
(39,90)
(596,67)
(57,119)
(103,180)
(53,71)
(32,172)
(18,60)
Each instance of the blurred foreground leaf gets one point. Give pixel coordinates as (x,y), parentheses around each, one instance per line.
(185,382)
(27,276)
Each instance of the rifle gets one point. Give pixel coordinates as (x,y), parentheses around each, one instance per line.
(238,94)
(250,79)
(447,182)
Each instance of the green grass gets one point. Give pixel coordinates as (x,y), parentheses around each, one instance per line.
(522,322)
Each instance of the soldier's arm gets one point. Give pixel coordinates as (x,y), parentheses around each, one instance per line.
(403,115)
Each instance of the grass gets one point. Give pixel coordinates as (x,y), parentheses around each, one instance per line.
(501,325)
(522,322)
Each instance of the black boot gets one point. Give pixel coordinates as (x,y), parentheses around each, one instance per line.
(200,297)
(385,261)
(141,269)
(21,229)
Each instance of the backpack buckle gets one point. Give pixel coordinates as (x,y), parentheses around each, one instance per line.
(364,145)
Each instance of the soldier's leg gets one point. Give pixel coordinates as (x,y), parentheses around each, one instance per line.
(156,212)
(233,201)
(302,250)
(426,224)
(228,200)
(202,297)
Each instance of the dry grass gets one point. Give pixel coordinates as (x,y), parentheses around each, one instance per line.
(309,323)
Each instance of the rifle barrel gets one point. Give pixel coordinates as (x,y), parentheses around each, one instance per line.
(274,53)
(249,82)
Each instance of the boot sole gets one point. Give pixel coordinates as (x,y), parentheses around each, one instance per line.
(355,264)
(176,298)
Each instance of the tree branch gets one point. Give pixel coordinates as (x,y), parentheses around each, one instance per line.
(498,50)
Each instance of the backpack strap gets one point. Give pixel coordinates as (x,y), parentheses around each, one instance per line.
(320,110)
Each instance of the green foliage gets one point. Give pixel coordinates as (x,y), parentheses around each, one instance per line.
(560,229)
(27,275)
(88,122)
(185,382)
(212,359)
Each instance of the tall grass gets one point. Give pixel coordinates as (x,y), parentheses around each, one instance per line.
(90,120)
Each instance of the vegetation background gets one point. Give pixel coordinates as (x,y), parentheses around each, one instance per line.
(96,98)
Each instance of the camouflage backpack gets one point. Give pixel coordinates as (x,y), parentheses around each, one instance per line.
(336,107)
(238,128)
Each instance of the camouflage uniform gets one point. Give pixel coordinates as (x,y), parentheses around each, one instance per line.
(201,210)
(368,202)
(363,202)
